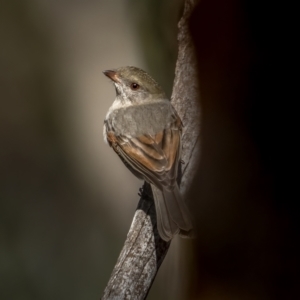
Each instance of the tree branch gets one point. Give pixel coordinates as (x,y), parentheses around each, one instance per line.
(144,250)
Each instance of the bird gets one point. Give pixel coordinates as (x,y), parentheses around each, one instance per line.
(144,129)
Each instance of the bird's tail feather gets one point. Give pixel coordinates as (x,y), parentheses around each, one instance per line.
(173,216)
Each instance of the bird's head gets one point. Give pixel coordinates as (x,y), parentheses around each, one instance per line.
(135,85)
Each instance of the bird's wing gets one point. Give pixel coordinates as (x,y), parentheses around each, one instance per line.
(155,157)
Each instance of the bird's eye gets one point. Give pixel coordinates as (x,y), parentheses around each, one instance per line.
(134,86)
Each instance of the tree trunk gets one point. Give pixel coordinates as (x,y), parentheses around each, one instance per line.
(144,250)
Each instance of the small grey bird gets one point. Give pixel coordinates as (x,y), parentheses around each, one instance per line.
(144,129)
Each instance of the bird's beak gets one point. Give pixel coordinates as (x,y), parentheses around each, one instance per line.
(112,75)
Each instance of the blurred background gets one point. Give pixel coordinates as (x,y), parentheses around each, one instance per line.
(245,192)
(66,200)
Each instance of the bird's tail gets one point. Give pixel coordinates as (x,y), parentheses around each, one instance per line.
(173,216)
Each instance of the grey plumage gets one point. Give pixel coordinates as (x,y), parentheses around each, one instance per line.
(145,131)
(146,118)
(173,216)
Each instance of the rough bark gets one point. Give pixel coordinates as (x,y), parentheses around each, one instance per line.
(185,97)
(144,250)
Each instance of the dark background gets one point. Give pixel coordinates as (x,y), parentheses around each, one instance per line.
(66,201)
(246,192)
